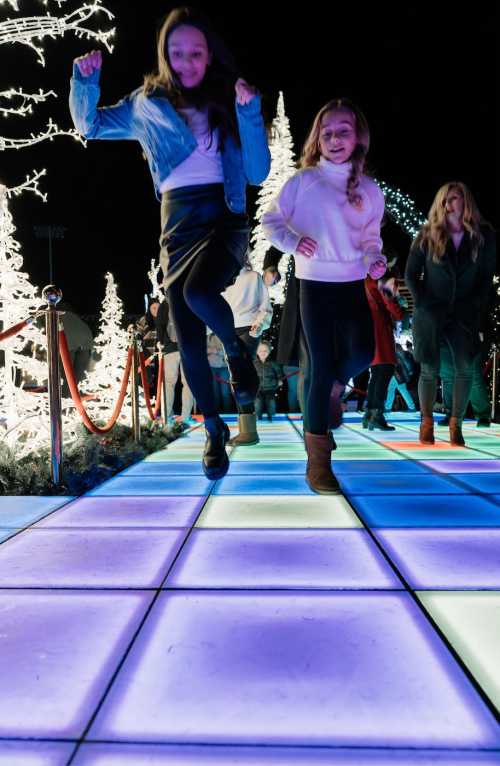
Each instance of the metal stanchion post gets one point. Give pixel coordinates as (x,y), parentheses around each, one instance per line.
(53,295)
(163,388)
(134,385)
(494,385)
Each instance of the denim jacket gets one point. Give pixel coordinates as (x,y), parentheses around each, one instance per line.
(166,139)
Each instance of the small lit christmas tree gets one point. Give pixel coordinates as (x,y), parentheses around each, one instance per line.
(111,345)
(283,166)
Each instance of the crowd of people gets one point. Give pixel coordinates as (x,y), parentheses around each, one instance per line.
(202,132)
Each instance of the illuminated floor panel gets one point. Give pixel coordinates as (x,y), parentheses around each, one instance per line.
(375,650)
(251,621)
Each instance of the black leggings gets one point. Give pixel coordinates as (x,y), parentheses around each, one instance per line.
(338,330)
(380,375)
(251,344)
(206,245)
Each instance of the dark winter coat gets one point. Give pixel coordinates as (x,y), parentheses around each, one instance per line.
(288,341)
(385,310)
(270,375)
(450,296)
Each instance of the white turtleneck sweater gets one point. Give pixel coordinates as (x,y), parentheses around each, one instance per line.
(313,203)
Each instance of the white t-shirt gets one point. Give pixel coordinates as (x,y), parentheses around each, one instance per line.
(204,165)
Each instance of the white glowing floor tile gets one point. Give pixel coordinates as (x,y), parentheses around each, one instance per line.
(51,558)
(293,511)
(354,669)
(59,651)
(186,755)
(126,512)
(35,753)
(471,623)
(259,559)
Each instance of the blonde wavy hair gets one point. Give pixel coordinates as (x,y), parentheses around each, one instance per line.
(434,234)
(311,152)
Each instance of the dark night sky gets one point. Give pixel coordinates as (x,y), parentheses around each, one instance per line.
(422,72)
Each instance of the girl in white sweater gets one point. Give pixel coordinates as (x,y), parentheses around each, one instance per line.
(329,215)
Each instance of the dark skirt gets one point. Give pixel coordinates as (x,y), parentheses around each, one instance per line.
(194,217)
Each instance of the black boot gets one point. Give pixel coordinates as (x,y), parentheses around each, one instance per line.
(243,375)
(366,418)
(215,461)
(377,420)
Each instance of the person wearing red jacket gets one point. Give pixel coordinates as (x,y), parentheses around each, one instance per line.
(385,307)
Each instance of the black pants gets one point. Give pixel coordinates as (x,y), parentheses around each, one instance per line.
(457,358)
(266,402)
(251,343)
(380,375)
(338,330)
(205,245)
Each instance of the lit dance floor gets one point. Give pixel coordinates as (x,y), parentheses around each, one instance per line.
(166,619)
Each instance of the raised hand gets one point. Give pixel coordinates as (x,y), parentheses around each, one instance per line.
(89,63)
(244,92)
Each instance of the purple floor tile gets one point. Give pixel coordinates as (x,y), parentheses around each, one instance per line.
(186,755)
(59,651)
(281,559)
(315,669)
(35,753)
(161,512)
(461,559)
(89,558)
(463,466)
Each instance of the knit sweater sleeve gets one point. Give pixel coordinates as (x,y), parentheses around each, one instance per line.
(276,221)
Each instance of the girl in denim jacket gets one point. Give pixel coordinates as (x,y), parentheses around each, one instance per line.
(203,146)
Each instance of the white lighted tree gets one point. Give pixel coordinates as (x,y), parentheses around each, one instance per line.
(111,345)
(283,166)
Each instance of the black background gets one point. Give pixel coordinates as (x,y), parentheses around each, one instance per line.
(424,73)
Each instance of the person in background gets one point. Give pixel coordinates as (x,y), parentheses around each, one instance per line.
(382,297)
(220,374)
(80,344)
(253,313)
(167,339)
(270,378)
(399,382)
(449,273)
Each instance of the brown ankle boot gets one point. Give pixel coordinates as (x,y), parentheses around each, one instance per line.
(319,474)
(247,431)
(456,435)
(426,435)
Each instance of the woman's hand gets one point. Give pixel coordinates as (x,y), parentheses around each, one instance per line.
(377,269)
(307,246)
(244,92)
(89,63)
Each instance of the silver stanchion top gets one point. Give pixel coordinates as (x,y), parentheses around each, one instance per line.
(52,295)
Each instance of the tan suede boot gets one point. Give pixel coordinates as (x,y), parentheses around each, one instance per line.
(248,435)
(319,474)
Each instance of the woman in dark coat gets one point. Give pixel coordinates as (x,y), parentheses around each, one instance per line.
(449,273)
